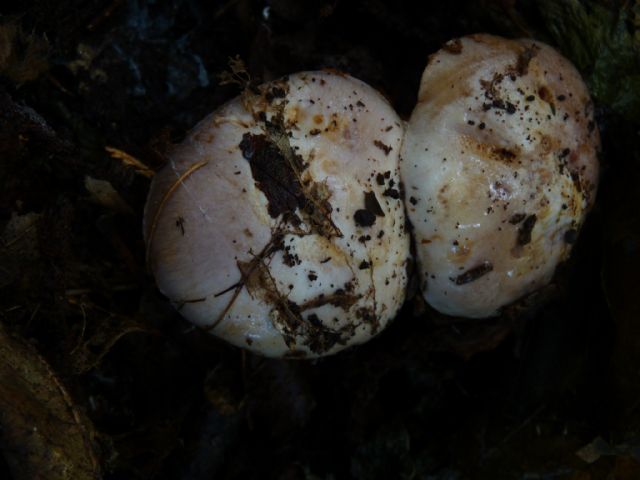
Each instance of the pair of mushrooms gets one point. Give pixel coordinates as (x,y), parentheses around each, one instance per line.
(279,223)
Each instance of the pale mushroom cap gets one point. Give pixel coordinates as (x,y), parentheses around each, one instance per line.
(313,280)
(500,167)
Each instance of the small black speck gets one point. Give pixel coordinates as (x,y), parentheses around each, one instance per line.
(524,232)
(364,218)
(517,218)
(385,148)
(392,192)
(473,274)
(180,225)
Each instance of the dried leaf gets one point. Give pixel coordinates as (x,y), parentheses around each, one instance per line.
(103,193)
(599,447)
(592,452)
(237,73)
(44,435)
(19,240)
(603,47)
(23,57)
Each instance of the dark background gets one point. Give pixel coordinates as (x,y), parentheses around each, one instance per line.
(517,397)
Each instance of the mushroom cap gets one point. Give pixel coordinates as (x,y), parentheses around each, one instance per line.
(500,167)
(277,223)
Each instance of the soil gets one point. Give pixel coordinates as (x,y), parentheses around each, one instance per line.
(101,378)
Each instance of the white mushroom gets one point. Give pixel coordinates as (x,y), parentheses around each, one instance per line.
(278,224)
(500,167)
